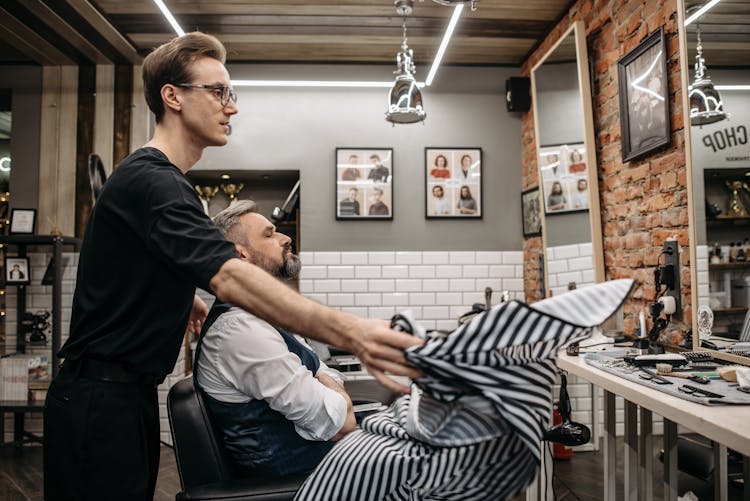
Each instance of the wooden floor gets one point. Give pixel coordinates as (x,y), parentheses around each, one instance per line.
(577,478)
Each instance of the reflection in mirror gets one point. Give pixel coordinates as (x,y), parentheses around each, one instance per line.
(571,230)
(720,167)
(5,155)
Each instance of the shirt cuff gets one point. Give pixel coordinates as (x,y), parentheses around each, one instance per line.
(327,420)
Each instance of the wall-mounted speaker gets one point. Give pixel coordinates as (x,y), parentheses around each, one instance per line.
(517,94)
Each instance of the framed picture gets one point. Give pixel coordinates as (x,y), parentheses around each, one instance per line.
(564,177)
(644,97)
(364,183)
(531,213)
(453,183)
(17,270)
(22,221)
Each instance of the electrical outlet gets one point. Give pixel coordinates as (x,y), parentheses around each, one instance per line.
(670,272)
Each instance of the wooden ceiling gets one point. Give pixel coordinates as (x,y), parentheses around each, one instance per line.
(499,32)
(725,33)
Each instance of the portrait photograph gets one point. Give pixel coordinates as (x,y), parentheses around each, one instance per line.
(644,97)
(453,182)
(564,175)
(364,183)
(531,213)
(17,270)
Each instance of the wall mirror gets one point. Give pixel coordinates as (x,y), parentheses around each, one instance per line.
(718,164)
(563,122)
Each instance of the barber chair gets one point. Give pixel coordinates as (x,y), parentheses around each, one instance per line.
(205,471)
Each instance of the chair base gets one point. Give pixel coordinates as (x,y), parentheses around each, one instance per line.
(282,489)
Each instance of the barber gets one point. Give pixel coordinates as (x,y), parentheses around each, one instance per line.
(147,245)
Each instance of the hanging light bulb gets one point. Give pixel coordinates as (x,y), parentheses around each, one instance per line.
(456,2)
(405,100)
(705,102)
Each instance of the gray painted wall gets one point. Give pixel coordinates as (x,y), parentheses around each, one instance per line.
(714,148)
(25,83)
(299,129)
(561,122)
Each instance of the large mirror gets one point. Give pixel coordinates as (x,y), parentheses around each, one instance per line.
(563,120)
(718,163)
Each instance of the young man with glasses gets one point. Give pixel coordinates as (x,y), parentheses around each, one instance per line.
(148,244)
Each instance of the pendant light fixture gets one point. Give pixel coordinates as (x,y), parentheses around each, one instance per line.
(456,2)
(705,102)
(405,100)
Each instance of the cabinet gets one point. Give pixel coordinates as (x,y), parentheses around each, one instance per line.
(728,190)
(21,244)
(267,188)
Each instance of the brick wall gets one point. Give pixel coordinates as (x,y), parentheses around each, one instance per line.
(644,201)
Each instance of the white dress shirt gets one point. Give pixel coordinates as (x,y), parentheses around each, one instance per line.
(244,358)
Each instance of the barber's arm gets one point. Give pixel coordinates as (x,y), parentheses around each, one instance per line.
(377,346)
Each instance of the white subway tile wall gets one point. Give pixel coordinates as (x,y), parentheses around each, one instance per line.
(437,287)
(568,264)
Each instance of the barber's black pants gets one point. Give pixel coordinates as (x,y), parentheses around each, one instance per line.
(101,440)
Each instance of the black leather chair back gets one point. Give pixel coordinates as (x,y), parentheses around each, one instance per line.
(201,458)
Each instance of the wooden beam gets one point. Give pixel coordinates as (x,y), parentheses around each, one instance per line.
(28,42)
(63,29)
(106,29)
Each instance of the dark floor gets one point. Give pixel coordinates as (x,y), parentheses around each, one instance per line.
(577,478)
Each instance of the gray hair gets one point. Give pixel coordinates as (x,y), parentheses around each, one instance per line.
(228,220)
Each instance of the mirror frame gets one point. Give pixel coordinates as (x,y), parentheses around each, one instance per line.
(584,81)
(685,81)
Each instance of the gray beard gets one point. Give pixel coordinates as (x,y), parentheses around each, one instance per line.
(290,269)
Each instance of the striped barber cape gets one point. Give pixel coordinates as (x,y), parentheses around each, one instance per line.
(471,427)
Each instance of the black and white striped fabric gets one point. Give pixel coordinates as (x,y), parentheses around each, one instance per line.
(471,427)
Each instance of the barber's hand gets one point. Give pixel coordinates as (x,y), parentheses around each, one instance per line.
(381,349)
(197,315)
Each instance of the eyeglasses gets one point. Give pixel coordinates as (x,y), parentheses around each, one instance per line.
(222,92)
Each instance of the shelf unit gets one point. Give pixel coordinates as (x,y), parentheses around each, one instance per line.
(22,243)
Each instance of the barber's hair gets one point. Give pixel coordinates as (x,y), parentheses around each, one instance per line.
(171,64)
(228,220)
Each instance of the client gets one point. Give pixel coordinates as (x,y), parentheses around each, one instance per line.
(279,408)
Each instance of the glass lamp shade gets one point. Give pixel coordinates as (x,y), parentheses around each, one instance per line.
(405,106)
(705,103)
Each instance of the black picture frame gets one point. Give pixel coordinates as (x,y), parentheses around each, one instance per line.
(364,183)
(643,86)
(531,209)
(17,271)
(453,184)
(22,222)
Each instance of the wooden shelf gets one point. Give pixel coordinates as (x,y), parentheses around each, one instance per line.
(728,266)
(734,310)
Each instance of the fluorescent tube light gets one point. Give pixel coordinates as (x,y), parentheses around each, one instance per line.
(701,11)
(444,44)
(164,10)
(330,83)
(312,83)
(732,87)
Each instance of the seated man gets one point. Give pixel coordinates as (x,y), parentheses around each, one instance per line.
(278,406)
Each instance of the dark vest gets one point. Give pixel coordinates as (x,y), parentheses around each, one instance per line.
(258,439)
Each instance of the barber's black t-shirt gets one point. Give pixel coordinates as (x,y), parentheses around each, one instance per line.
(148,244)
